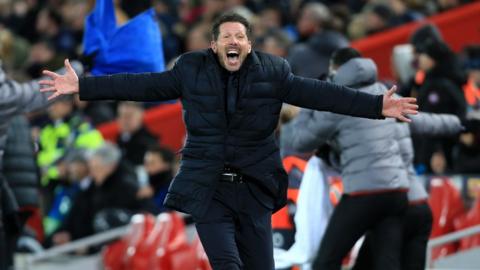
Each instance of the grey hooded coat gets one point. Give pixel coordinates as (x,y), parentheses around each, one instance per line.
(370,157)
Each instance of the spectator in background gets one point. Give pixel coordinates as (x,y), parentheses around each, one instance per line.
(402,13)
(340,18)
(198,38)
(113,186)
(96,112)
(314,18)
(73,15)
(472,89)
(50,26)
(420,37)
(168,22)
(14,51)
(134,139)
(468,160)
(438,162)
(212,9)
(441,92)
(159,164)
(378,18)
(311,58)
(271,17)
(275,42)
(77,180)
(64,131)
(42,55)
(20,16)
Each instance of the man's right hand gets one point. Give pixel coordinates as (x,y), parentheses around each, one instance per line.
(60,84)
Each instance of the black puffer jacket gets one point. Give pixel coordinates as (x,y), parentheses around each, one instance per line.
(19,166)
(246,140)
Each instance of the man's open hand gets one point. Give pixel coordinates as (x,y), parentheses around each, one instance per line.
(398,107)
(60,84)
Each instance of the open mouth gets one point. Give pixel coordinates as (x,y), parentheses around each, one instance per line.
(232,57)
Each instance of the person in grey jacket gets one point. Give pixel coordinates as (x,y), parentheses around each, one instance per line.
(21,174)
(375,180)
(15,98)
(418,218)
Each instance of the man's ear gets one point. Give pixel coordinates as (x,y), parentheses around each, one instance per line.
(213,45)
(249,46)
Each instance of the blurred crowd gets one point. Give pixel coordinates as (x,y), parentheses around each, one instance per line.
(40,33)
(84,178)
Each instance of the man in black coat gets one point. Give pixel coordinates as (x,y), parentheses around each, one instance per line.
(231,178)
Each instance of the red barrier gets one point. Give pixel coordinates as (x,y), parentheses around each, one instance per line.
(459,27)
(470,219)
(447,205)
(156,244)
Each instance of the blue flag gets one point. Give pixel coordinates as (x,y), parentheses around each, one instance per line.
(133,47)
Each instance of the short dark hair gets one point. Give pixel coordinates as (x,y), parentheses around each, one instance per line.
(230,17)
(343,55)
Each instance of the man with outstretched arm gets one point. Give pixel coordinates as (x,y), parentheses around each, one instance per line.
(231,178)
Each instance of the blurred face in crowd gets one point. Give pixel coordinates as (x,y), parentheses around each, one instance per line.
(77,170)
(45,24)
(213,7)
(307,23)
(130,117)
(198,38)
(374,23)
(60,109)
(41,52)
(271,18)
(272,46)
(74,14)
(438,163)
(425,62)
(99,170)
(232,45)
(154,163)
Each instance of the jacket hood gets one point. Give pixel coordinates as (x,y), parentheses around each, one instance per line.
(357,72)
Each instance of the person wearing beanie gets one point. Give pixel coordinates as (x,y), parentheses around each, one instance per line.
(441,92)
(423,34)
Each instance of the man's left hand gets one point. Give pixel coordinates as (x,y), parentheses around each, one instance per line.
(398,107)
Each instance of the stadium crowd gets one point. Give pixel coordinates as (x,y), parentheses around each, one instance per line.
(54,159)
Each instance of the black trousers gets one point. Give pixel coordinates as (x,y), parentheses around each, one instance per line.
(236,231)
(416,231)
(354,216)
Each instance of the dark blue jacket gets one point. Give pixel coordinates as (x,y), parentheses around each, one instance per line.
(246,140)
